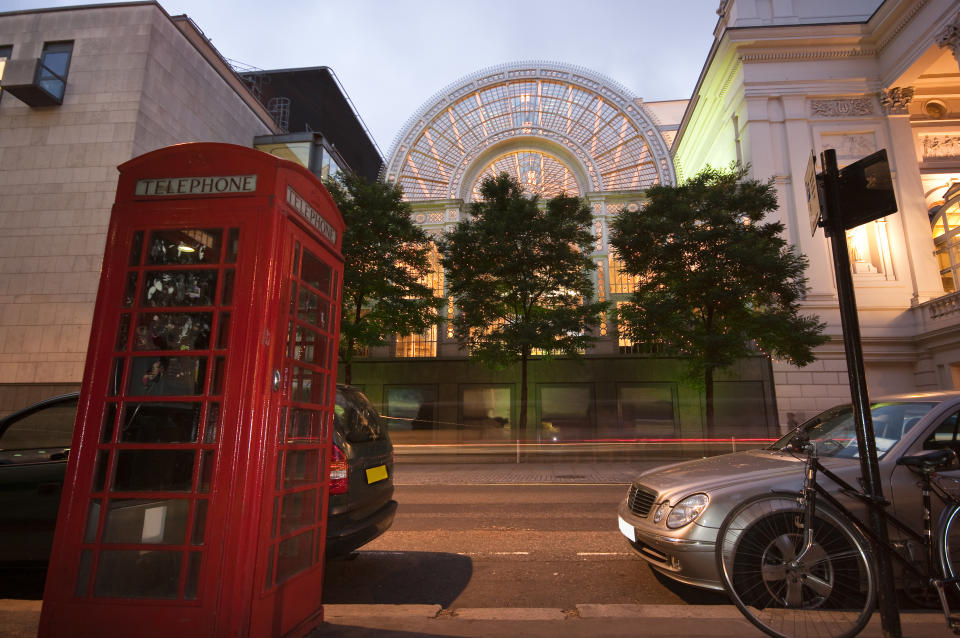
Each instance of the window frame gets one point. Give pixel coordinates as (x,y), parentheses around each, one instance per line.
(50,48)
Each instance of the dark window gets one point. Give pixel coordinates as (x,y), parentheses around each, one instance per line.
(51,426)
(356,418)
(947,435)
(54,64)
(411,407)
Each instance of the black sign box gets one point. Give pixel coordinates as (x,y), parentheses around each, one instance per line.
(866,190)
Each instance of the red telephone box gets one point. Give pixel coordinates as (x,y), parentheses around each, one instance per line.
(196,491)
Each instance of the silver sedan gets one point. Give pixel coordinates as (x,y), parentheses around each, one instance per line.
(671,514)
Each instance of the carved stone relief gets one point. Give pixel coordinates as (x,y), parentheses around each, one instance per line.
(940,146)
(850,146)
(895,100)
(842,107)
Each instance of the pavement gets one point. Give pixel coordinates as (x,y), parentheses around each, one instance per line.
(20,618)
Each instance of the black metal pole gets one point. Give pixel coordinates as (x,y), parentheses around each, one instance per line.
(866,442)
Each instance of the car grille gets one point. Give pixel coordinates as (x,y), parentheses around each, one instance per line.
(641,500)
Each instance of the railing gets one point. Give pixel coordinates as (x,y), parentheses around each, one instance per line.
(942,306)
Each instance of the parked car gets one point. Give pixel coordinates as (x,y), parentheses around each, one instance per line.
(361,475)
(672,513)
(35,443)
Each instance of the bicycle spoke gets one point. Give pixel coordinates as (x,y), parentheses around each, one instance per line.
(829,593)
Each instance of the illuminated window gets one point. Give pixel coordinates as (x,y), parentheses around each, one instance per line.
(434,279)
(5,53)
(629,346)
(424,344)
(868,248)
(620,281)
(421,345)
(601,296)
(623,341)
(539,173)
(945,226)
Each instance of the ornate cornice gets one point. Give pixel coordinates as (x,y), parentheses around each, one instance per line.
(807,56)
(914,8)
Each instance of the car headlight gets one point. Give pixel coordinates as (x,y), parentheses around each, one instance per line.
(687,510)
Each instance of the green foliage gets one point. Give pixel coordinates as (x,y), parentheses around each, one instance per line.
(385,257)
(714,277)
(520,274)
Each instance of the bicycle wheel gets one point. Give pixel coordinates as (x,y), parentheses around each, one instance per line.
(948,542)
(829,592)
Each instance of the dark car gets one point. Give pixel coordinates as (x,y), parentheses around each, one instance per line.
(35,442)
(361,475)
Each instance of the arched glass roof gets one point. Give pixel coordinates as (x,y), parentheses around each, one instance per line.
(539,172)
(580,132)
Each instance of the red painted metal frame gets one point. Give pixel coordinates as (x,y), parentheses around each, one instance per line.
(230,598)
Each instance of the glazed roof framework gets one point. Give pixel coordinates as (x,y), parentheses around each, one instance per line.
(583,121)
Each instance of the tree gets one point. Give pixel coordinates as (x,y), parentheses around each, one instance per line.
(520,274)
(713,279)
(386,258)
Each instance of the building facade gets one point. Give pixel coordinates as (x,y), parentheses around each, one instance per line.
(787,80)
(82,90)
(557,129)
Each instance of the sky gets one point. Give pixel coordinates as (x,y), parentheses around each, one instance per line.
(392,56)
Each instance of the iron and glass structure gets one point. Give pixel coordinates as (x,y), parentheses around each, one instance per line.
(557,129)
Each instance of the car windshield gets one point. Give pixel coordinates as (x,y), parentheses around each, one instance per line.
(834,431)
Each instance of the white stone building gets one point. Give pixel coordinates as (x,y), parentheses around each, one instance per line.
(789,78)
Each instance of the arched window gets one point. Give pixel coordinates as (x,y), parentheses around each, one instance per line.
(945,225)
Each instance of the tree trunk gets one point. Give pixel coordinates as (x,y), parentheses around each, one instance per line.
(522,424)
(347,360)
(708,380)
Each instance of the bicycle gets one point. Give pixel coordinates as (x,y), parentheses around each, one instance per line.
(800,564)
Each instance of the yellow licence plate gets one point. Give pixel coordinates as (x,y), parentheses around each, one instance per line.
(375,474)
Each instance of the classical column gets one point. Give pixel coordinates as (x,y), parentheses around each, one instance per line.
(909,192)
(949,37)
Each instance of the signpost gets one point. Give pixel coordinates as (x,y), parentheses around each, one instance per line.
(814,202)
(860,193)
